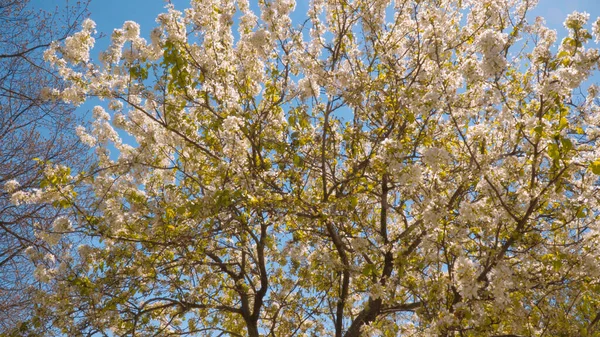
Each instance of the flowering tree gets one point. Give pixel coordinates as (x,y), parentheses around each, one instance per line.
(30,127)
(410,167)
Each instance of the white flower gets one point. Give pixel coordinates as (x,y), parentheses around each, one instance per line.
(85,252)
(88,25)
(468,290)
(131,29)
(115,105)
(77,47)
(467,211)
(434,157)
(231,124)
(85,137)
(570,77)
(61,224)
(360,244)
(32,253)
(18,198)
(155,37)
(596,30)
(491,44)
(376,291)
(49,258)
(50,53)
(431,216)
(388,143)
(470,69)
(11,186)
(576,20)
(542,49)
(120,121)
(260,38)
(308,87)
(298,252)
(73,94)
(41,274)
(46,94)
(491,41)
(99,113)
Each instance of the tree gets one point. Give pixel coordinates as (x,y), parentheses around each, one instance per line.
(31,127)
(413,168)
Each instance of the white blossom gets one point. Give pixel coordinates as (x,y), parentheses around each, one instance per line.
(131,30)
(576,20)
(596,30)
(11,186)
(41,274)
(61,224)
(85,137)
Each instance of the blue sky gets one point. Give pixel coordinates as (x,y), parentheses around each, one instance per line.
(555,11)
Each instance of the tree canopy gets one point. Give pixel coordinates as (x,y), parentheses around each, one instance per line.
(376,168)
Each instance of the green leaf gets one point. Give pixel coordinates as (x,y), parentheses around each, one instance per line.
(566,144)
(595,167)
(353,201)
(369,270)
(298,161)
(553,151)
(581,212)
(556,264)
(563,123)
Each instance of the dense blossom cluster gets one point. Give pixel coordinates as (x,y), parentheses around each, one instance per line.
(426,173)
